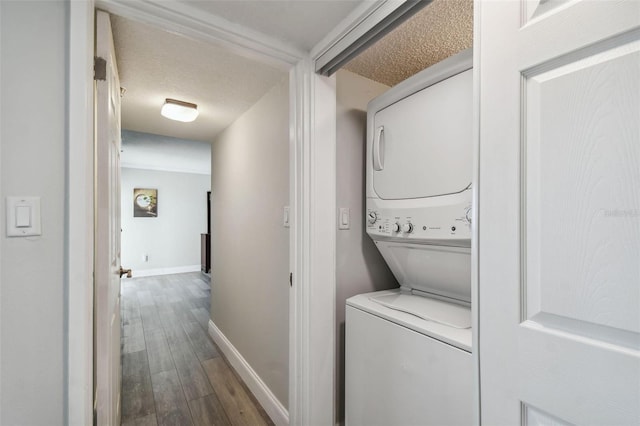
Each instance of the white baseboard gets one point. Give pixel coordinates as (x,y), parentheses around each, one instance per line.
(276,411)
(165,271)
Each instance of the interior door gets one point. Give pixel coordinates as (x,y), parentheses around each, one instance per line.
(107,262)
(559,212)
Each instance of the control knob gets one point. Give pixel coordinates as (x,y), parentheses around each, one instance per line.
(395,227)
(407,228)
(468,215)
(372,217)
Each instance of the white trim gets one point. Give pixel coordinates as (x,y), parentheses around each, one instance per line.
(299,399)
(163,169)
(355,26)
(347,26)
(164,271)
(321,244)
(296,88)
(79,216)
(260,390)
(2,214)
(312,310)
(179,17)
(475,231)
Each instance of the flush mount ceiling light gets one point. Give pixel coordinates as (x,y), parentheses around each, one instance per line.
(179,110)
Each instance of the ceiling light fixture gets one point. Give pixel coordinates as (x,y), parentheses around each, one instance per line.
(179,110)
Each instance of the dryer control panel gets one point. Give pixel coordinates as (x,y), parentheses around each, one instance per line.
(446,224)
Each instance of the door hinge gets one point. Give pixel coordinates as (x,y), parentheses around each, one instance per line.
(99,68)
(290,279)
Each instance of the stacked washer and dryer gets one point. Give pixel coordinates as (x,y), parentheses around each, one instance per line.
(408,350)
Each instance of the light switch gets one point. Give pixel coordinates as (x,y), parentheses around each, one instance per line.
(23,216)
(344,219)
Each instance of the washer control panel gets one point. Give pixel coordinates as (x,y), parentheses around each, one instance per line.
(449,224)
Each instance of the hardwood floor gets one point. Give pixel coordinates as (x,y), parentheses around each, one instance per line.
(172,372)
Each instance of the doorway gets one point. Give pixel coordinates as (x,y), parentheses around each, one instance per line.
(171,369)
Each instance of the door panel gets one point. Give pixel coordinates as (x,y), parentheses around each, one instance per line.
(578,379)
(559,212)
(535,417)
(107,262)
(582,164)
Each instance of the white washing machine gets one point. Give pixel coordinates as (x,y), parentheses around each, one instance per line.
(408,350)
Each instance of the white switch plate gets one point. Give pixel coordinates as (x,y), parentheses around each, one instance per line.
(344,218)
(23,216)
(286,219)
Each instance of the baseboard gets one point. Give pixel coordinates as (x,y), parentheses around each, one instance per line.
(165,271)
(260,390)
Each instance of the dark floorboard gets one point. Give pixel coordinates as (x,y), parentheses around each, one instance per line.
(231,393)
(172,372)
(208,411)
(158,351)
(171,404)
(136,386)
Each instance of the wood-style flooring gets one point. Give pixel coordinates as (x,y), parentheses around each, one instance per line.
(172,372)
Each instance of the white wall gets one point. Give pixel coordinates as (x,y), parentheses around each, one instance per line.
(171,240)
(359,268)
(32,153)
(157,152)
(250,246)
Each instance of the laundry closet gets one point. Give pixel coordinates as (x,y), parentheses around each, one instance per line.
(390,251)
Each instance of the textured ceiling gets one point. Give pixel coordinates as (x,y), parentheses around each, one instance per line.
(302,23)
(441,29)
(154,65)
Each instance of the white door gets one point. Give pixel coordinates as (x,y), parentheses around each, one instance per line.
(559,212)
(107,237)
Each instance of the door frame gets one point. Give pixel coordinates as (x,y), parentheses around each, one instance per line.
(312,184)
(79,267)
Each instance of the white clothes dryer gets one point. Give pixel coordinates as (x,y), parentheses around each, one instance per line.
(408,351)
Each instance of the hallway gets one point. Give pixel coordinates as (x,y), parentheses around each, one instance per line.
(172,373)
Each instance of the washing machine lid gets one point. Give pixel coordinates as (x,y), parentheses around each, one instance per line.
(422,144)
(433,270)
(457,337)
(428,309)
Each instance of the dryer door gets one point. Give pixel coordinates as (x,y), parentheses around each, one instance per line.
(422,145)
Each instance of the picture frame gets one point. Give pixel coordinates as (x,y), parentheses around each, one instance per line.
(145,202)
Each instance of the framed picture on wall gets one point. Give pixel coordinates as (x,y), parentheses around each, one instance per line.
(145,202)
